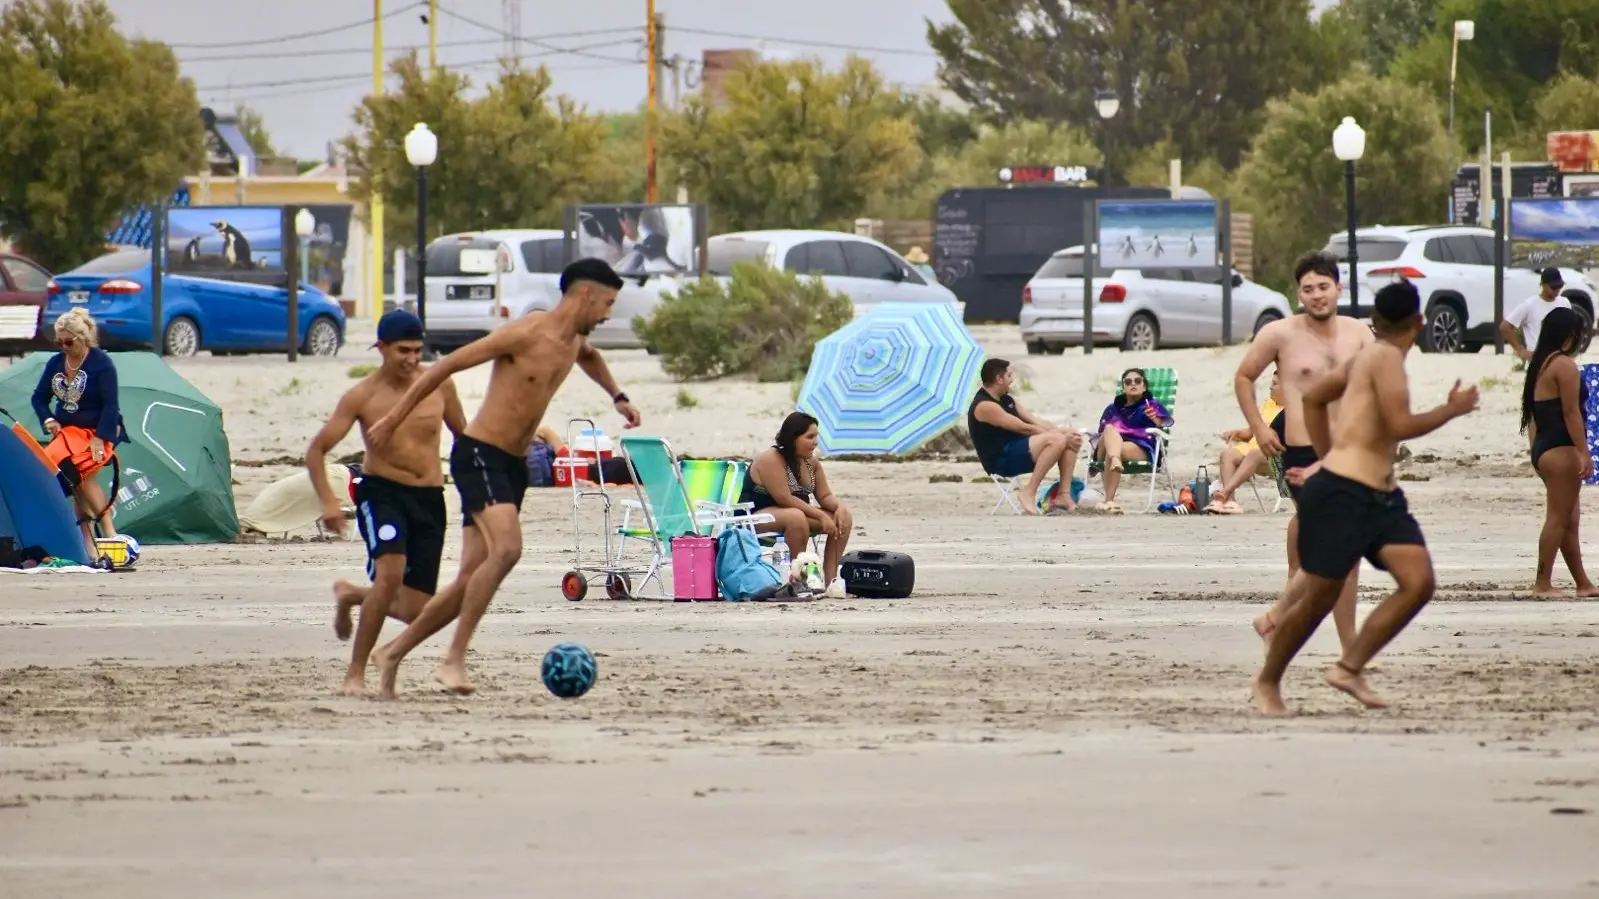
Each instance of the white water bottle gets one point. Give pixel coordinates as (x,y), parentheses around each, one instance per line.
(780,559)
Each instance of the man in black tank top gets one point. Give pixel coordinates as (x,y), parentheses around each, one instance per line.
(1010,441)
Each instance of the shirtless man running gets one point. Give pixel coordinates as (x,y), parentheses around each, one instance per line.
(532,356)
(1303,349)
(1353,504)
(399,497)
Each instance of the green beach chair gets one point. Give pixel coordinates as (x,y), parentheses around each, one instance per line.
(1162,385)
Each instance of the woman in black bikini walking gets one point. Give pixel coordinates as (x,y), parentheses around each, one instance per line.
(1551,414)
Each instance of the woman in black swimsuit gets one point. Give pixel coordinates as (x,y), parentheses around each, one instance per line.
(783,482)
(1551,414)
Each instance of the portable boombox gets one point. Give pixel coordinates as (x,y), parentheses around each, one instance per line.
(878,575)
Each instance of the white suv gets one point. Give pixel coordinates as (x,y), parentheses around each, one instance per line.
(465,305)
(1453,267)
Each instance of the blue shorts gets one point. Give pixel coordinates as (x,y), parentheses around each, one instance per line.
(1015,459)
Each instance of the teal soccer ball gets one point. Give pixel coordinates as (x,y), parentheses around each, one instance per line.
(569,670)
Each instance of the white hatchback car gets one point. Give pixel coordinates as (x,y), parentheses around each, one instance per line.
(472,293)
(1139,309)
(858,267)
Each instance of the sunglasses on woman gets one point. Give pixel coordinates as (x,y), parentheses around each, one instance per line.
(67,343)
(1133,382)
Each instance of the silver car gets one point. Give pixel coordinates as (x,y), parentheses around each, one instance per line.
(1139,309)
(858,267)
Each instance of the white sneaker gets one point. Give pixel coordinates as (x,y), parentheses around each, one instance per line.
(835,590)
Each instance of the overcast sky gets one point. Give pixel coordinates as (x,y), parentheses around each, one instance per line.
(304,64)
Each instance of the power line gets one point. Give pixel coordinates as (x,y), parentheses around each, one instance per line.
(535,42)
(347,51)
(296,37)
(353,76)
(361,82)
(891,51)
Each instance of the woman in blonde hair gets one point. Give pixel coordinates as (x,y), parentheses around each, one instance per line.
(86,424)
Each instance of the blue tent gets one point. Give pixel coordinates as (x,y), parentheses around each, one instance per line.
(33,509)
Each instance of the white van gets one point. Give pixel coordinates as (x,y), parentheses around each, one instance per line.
(511,273)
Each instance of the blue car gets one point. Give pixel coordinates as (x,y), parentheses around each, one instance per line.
(196,313)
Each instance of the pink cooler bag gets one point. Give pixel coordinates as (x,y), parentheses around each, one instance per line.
(693,569)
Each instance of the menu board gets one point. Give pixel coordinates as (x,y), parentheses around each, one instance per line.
(957,238)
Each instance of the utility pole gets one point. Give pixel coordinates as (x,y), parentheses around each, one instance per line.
(653,64)
(377,198)
(433,36)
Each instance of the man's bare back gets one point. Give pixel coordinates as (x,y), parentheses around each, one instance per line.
(1362,444)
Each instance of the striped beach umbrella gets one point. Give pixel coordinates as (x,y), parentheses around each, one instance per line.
(892,379)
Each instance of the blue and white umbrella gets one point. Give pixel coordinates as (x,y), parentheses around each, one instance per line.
(892,379)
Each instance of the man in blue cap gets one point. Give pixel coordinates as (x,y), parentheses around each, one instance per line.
(531,357)
(399,496)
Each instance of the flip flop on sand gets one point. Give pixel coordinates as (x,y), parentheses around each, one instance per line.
(1108,508)
(1224,507)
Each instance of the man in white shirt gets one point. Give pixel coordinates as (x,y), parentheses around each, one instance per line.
(1527,318)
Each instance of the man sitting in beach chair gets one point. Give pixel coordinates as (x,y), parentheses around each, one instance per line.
(1242,458)
(1010,441)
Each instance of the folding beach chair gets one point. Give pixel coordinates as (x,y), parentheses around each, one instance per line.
(1007,487)
(1162,385)
(664,509)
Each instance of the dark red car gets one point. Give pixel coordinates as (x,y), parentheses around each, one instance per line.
(24,288)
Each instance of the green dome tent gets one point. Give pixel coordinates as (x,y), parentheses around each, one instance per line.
(177,475)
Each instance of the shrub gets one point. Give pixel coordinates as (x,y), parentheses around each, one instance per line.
(761,320)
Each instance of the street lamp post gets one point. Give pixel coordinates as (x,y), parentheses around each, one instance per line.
(304,227)
(1107,104)
(421,149)
(1349,144)
(1465,30)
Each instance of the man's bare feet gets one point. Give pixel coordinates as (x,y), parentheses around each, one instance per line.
(1269,700)
(1548,591)
(388,671)
(1264,626)
(1029,509)
(1342,677)
(354,686)
(1588,591)
(347,596)
(453,679)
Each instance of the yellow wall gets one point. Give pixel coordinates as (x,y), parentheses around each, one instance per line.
(268,191)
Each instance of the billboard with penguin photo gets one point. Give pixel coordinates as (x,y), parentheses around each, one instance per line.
(227,243)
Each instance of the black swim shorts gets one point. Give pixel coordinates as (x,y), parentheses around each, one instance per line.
(1344,520)
(402,519)
(1297,457)
(486,475)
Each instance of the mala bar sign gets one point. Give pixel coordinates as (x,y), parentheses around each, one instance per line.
(1048,174)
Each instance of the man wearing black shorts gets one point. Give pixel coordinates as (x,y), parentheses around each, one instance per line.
(531,357)
(1353,507)
(1303,349)
(399,495)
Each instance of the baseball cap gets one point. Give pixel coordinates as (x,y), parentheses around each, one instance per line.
(398,324)
(1551,277)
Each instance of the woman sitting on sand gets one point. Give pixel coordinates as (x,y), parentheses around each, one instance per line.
(86,424)
(1241,460)
(1124,431)
(1552,403)
(783,482)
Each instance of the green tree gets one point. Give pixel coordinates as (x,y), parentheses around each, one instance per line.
(1519,47)
(1569,103)
(1294,185)
(792,145)
(92,124)
(1151,167)
(513,157)
(1382,29)
(1195,71)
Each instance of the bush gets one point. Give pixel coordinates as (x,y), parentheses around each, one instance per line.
(762,320)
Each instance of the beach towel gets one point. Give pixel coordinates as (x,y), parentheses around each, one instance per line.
(1590,416)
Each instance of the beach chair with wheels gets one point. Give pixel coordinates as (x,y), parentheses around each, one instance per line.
(664,510)
(1163,387)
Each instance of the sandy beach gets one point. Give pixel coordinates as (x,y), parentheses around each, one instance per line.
(1061,709)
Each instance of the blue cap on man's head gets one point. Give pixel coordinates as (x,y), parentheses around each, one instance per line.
(397,325)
